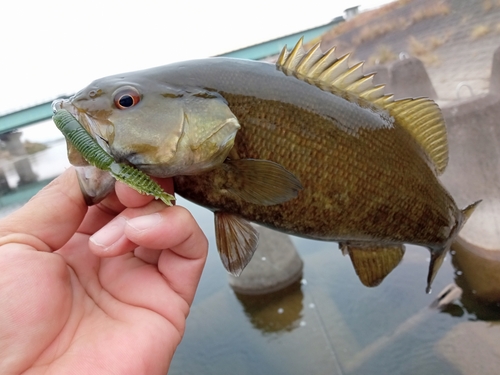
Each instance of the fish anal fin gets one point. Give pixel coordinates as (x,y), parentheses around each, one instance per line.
(260,182)
(421,117)
(236,241)
(373,263)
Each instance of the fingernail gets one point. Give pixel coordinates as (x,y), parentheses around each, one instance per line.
(110,233)
(145,222)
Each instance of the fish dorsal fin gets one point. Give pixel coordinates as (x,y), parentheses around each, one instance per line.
(421,117)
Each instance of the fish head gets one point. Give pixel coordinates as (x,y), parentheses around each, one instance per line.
(161,129)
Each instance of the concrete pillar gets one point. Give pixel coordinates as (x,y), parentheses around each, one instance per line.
(382,77)
(4,185)
(13,143)
(16,148)
(274,266)
(473,173)
(409,79)
(25,172)
(495,73)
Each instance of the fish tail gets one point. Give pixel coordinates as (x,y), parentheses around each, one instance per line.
(438,255)
(467,211)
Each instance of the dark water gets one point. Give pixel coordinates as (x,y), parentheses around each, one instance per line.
(330,323)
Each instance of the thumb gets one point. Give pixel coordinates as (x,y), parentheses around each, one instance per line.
(50,218)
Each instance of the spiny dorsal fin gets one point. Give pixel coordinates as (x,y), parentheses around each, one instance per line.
(421,117)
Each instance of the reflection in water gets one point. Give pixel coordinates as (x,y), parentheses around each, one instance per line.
(274,312)
(480,268)
(476,308)
(454,310)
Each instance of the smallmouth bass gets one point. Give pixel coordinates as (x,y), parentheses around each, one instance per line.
(308,146)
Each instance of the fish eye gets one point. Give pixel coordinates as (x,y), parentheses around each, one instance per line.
(126,97)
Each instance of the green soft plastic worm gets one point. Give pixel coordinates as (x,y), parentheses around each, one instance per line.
(96,156)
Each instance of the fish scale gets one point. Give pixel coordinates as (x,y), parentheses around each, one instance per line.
(308,146)
(262,142)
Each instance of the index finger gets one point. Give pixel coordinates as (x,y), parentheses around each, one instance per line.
(123,197)
(175,231)
(50,218)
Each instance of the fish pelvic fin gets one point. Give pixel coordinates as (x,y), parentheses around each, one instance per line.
(421,117)
(261,182)
(437,256)
(373,263)
(236,241)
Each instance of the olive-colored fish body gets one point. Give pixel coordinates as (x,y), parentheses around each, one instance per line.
(307,146)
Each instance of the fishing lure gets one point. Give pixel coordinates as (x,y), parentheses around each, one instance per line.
(96,156)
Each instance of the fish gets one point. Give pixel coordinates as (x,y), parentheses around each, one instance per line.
(308,146)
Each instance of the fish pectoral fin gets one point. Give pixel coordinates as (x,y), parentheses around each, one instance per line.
(261,182)
(236,241)
(373,263)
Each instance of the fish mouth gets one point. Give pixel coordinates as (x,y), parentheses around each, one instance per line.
(88,122)
(66,104)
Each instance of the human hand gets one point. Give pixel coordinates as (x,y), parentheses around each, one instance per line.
(88,290)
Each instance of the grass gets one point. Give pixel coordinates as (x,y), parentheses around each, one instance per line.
(490,4)
(377,30)
(383,55)
(479,31)
(440,9)
(372,26)
(362,19)
(424,50)
(34,147)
